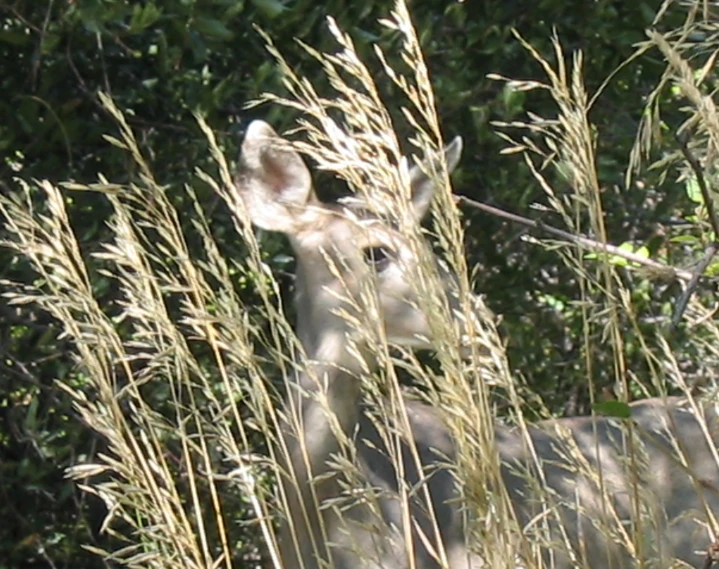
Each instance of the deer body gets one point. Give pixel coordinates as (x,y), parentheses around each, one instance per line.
(397,526)
(676,501)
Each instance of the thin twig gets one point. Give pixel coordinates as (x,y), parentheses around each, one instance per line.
(701,182)
(579,240)
(698,271)
(712,555)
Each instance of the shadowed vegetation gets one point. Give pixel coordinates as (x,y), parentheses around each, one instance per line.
(149,337)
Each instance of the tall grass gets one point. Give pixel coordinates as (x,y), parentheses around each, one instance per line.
(181,329)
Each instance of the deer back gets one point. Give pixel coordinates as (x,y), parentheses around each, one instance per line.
(586,492)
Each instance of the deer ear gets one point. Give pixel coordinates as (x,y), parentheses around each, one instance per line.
(272,180)
(423,186)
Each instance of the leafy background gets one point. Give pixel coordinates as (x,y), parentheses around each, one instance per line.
(161,61)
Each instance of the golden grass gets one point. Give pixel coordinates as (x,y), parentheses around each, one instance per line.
(224,400)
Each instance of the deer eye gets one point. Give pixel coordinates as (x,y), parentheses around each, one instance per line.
(378,257)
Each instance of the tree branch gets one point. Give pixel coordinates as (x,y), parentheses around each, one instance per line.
(701,182)
(698,271)
(580,240)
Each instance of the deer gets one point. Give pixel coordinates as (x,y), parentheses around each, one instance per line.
(653,506)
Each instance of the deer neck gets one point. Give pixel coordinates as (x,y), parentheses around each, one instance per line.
(325,409)
(331,373)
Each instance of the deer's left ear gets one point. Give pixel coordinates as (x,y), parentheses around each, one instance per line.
(423,184)
(273,180)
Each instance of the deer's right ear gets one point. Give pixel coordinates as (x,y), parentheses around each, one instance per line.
(272,180)
(423,184)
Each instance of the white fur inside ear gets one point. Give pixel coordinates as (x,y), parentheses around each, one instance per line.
(273,180)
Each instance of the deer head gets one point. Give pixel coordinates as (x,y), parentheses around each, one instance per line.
(338,247)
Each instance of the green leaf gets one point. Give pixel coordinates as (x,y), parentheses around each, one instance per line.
(270,8)
(143,17)
(684,239)
(92,25)
(553,302)
(617,409)
(641,251)
(619,261)
(212,28)
(513,100)
(236,7)
(15,38)
(31,420)
(694,193)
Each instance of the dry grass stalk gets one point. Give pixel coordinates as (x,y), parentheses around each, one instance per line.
(145,345)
